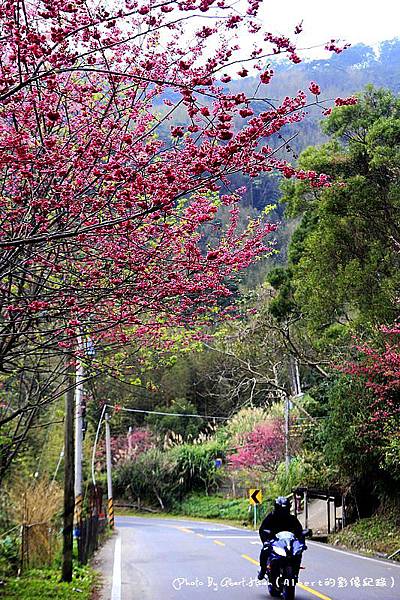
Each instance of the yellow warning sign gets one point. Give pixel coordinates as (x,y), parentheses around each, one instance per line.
(255,497)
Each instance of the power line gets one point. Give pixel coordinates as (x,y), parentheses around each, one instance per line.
(155,412)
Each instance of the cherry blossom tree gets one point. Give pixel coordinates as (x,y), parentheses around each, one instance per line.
(118,136)
(103,207)
(263,448)
(127,447)
(379,368)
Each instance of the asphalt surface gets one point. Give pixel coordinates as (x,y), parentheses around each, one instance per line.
(171,559)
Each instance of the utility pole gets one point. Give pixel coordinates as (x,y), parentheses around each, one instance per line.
(296,393)
(130,442)
(78,442)
(68,515)
(296,384)
(287,433)
(109,474)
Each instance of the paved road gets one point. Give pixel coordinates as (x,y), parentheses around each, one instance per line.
(170,559)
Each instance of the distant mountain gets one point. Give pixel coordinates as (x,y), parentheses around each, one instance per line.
(340,75)
(343,73)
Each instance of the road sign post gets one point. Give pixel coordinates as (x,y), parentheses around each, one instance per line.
(255,498)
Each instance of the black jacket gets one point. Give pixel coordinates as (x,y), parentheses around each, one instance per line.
(278,522)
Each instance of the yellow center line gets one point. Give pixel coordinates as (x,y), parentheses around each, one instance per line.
(255,562)
(314,592)
(185,529)
(303,587)
(219,543)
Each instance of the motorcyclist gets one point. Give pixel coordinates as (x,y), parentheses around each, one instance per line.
(278,520)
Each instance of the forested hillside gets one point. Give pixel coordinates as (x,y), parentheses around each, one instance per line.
(342,74)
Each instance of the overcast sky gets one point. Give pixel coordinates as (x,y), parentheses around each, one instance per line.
(367,21)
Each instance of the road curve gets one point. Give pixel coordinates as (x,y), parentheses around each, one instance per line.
(174,559)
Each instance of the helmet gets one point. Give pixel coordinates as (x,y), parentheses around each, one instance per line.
(282,505)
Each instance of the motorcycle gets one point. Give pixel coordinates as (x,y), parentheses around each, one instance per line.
(283,566)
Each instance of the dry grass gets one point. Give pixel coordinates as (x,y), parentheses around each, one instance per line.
(172,439)
(34,504)
(35,501)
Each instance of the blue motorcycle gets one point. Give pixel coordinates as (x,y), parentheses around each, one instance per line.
(284,558)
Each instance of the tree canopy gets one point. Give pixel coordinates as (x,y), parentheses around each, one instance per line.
(343,260)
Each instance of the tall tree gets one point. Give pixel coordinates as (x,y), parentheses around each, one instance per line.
(343,268)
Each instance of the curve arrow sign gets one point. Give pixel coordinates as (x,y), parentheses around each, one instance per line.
(255,497)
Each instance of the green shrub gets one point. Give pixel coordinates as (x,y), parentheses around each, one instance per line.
(306,469)
(164,477)
(9,554)
(150,477)
(214,507)
(45,584)
(195,468)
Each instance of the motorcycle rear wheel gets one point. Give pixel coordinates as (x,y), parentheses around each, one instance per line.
(273,591)
(288,592)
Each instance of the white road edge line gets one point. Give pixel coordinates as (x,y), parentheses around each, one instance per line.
(387,563)
(117,570)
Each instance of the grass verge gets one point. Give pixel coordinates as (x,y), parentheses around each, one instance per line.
(45,584)
(379,535)
(214,507)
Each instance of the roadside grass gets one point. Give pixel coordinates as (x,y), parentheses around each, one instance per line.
(379,534)
(44,584)
(215,507)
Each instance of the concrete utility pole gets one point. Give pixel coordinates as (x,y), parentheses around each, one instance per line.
(109,474)
(296,393)
(287,433)
(78,442)
(68,516)
(130,442)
